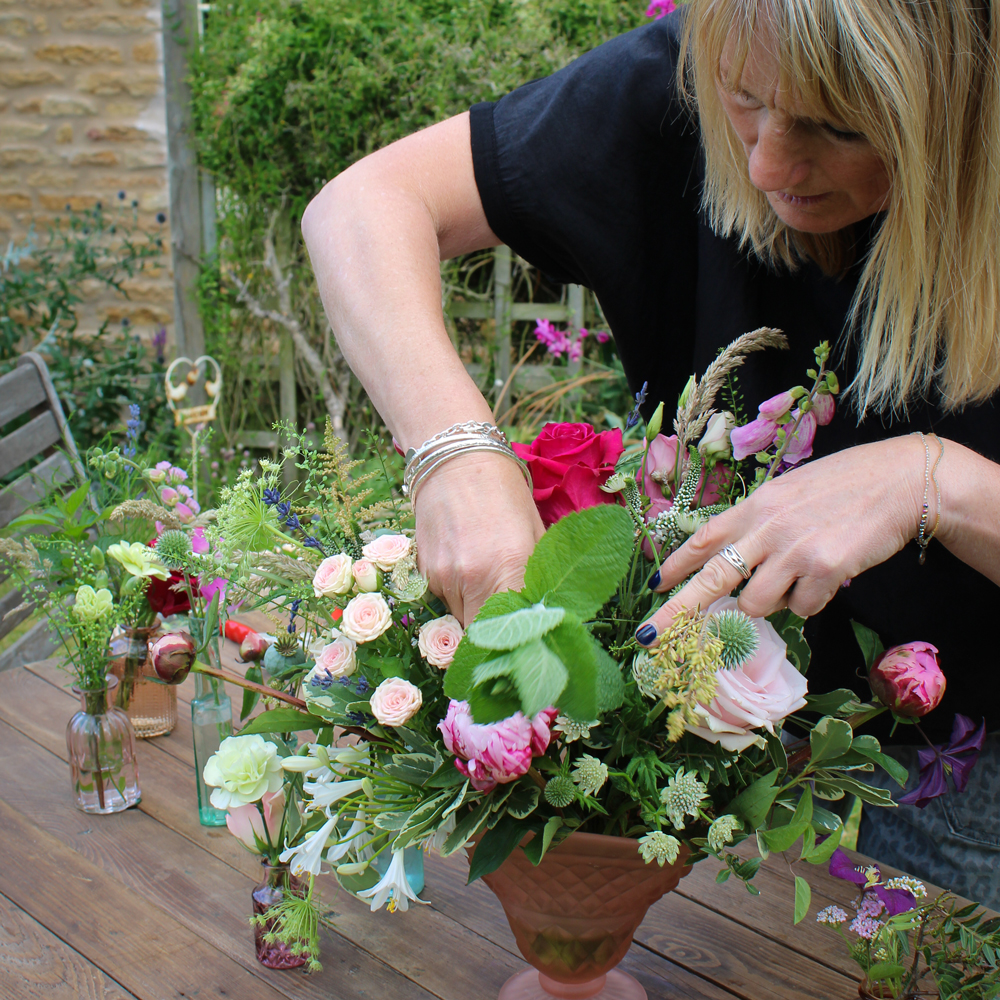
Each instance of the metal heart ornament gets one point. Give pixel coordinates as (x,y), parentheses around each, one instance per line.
(193,372)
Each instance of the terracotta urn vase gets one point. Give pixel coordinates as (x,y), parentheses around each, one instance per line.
(574,916)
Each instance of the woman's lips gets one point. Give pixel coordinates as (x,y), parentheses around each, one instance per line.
(800,200)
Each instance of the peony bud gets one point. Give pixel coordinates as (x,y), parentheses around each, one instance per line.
(253,647)
(908,679)
(172,656)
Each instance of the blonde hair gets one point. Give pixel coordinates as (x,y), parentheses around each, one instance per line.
(919,79)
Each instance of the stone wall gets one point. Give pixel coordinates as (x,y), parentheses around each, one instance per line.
(81,120)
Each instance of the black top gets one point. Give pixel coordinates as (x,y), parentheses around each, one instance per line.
(593,175)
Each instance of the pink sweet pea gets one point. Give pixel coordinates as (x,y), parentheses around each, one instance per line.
(199,543)
(184,513)
(248,826)
(660,8)
(498,752)
(218,584)
(908,679)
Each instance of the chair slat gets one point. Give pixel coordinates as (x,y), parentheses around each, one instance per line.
(20,391)
(26,491)
(27,441)
(7,603)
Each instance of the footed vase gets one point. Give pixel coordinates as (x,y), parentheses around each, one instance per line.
(574,916)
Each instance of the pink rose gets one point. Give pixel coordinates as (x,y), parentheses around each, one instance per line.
(908,679)
(439,639)
(248,826)
(335,659)
(568,464)
(498,752)
(366,617)
(756,695)
(365,575)
(333,576)
(395,701)
(386,550)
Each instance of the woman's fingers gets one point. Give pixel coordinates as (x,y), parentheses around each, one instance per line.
(712,537)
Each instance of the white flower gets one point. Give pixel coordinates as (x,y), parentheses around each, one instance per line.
(395,701)
(913,886)
(242,770)
(439,639)
(573,730)
(393,888)
(307,857)
(721,831)
(715,441)
(681,797)
(589,774)
(366,576)
(831,915)
(435,842)
(386,550)
(333,576)
(659,847)
(339,849)
(325,793)
(366,617)
(92,604)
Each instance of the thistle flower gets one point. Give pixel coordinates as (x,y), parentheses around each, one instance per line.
(174,549)
(721,831)
(738,635)
(590,774)
(560,791)
(659,847)
(681,797)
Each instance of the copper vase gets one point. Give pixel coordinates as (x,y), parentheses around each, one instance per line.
(150,706)
(574,916)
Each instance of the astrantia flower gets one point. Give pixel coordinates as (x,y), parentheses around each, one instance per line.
(572,729)
(393,888)
(831,915)
(721,831)
(590,774)
(659,847)
(681,797)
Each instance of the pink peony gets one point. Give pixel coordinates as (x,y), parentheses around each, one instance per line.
(756,695)
(248,826)
(439,639)
(172,655)
(498,752)
(395,701)
(908,679)
(386,550)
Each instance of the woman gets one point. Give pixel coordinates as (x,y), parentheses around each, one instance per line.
(822,166)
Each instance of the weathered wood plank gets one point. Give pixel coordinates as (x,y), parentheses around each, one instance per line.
(8,621)
(33,486)
(36,965)
(38,641)
(35,436)
(20,391)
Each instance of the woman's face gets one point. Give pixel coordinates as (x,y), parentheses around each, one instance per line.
(817,177)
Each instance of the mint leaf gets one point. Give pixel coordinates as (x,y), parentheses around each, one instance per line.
(576,650)
(539,676)
(610,683)
(754,803)
(515,629)
(580,560)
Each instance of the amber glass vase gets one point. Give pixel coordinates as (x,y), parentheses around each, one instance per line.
(574,915)
(150,706)
(276,883)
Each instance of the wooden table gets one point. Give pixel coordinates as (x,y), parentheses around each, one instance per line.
(150,904)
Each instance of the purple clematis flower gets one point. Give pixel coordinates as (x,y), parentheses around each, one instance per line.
(958,757)
(869,878)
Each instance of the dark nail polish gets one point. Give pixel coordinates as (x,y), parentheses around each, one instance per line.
(645,634)
(654,580)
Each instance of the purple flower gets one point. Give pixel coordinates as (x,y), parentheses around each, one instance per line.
(292,522)
(957,757)
(870,879)
(272,496)
(640,397)
(284,508)
(312,542)
(758,435)
(800,445)
(776,406)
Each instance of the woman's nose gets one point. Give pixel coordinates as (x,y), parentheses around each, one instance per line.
(778,161)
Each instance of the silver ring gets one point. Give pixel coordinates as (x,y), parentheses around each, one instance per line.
(732,556)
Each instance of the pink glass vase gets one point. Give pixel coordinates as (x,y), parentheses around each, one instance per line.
(574,916)
(277,881)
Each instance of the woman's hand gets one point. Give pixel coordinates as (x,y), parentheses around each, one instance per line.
(802,534)
(476,527)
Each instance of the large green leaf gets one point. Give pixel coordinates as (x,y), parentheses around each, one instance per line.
(515,629)
(869,747)
(803,897)
(579,561)
(467,827)
(832,702)
(282,720)
(537,673)
(871,645)
(495,847)
(540,843)
(754,803)
(830,738)
(610,683)
(577,651)
(867,793)
(413,768)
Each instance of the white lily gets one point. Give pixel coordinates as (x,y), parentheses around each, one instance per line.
(307,857)
(337,851)
(393,888)
(324,794)
(435,842)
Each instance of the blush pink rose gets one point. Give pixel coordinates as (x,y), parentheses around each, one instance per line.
(365,575)
(569,463)
(908,679)
(439,639)
(756,695)
(246,821)
(386,550)
(335,659)
(366,617)
(395,701)
(498,752)
(333,576)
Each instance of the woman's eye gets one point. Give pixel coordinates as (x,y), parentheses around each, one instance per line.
(842,135)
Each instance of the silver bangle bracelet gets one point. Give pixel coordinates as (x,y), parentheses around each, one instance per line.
(459,439)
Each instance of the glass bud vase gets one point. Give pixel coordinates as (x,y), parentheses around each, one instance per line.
(276,883)
(150,706)
(101,747)
(211,723)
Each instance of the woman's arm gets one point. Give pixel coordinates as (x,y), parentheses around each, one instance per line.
(811,529)
(376,235)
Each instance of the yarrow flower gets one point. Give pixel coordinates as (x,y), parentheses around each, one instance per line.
(831,915)
(590,774)
(681,797)
(866,927)
(660,847)
(572,729)
(721,831)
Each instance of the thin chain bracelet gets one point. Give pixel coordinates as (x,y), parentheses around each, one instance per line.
(923,539)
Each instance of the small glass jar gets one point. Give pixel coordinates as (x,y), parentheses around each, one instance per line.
(101,747)
(277,881)
(150,706)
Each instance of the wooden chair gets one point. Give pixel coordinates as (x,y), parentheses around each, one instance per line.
(45,442)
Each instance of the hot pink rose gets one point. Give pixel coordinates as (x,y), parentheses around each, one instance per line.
(756,695)
(498,752)
(569,463)
(395,701)
(245,822)
(908,679)
(386,550)
(439,639)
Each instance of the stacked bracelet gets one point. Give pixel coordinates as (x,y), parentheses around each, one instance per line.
(924,537)
(460,439)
